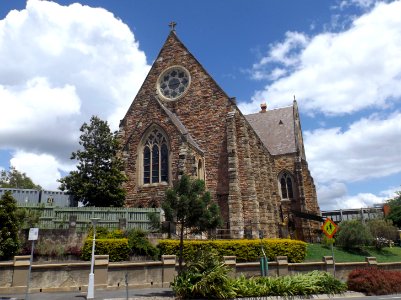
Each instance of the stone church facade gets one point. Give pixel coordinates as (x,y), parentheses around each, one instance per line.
(182,122)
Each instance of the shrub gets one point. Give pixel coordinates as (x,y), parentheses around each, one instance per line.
(244,250)
(50,247)
(139,244)
(104,233)
(353,235)
(117,249)
(315,282)
(372,281)
(205,276)
(383,232)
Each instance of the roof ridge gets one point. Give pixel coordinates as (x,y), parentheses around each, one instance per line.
(277,108)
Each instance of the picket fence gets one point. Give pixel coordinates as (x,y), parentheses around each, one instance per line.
(80,217)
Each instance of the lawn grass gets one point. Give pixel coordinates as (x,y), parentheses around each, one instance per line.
(315,252)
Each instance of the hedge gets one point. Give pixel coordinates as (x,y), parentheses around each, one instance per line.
(117,249)
(244,250)
(373,281)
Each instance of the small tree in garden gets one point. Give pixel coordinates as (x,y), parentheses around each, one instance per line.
(353,234)
(9,222)
(190,205)
(382,231)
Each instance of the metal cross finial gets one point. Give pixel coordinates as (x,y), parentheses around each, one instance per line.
(172,25)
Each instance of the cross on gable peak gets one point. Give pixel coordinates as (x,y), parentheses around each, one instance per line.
(172,25)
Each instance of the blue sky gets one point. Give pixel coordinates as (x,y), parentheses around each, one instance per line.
(64,62)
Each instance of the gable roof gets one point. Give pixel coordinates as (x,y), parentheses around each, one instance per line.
(178,124)
(276,129)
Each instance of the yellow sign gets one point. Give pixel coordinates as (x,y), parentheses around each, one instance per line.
(329,228)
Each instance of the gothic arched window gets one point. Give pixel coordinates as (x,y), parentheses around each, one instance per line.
(155,157)
(286,186)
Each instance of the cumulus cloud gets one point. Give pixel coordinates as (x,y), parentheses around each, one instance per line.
(339,72)
(335,196)
(60,66)
(368,148)
(41,168)
(284,54)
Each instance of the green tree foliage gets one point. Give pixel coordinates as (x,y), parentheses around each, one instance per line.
(97,182)
(395,210)
(190,205)
(353,235)
(382,231)
(28,218)
(15,179)
(140,245)
(9,226)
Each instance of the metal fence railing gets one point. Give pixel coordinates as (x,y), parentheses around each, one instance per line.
(80,217)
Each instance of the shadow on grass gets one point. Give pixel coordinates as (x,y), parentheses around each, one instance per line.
(384,254)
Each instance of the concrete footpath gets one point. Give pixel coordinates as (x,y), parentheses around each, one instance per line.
(120,294)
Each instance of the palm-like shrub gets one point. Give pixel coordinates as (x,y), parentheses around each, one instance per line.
(205,276)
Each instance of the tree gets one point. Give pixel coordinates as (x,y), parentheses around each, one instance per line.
(190,205)
(9,222)
(382,231)
(353,235)
(15,179)
(395,209)
(98,178)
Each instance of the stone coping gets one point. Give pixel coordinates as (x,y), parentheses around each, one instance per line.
(134,264)
(361,263)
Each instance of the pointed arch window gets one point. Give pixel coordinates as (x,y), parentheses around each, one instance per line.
(155,158)
(286,186)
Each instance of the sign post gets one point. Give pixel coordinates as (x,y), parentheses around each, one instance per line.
(33,236)
(329,229)
(264,266)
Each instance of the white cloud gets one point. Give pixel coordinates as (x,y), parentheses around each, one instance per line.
(339,73)
(43,169)
(364,4)
(369,148)
(335,195)
(285,53)
(60,66)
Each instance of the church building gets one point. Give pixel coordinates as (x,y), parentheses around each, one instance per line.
(182,122)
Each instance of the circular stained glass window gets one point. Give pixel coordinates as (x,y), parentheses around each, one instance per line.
(173,82)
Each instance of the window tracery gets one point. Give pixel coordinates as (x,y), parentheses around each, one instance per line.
(286,186)
(155,158)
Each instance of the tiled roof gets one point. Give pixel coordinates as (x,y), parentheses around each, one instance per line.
(276,129)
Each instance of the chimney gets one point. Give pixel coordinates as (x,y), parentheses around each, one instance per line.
(263,107)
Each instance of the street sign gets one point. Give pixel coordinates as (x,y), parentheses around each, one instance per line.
(33,234)
(329,228)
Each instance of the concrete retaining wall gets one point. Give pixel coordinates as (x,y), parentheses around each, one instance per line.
(69,276)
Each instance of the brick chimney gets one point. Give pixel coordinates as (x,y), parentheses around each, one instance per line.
(263,107)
